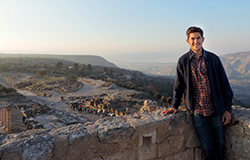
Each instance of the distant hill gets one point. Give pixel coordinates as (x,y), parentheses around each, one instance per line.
(237,65)
(146,57)
(163,69)
(82,59)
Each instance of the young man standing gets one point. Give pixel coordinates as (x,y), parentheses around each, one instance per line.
(202,79)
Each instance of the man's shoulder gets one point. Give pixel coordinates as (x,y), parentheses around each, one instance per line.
(184,56)
(211,54)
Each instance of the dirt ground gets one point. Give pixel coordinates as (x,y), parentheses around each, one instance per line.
(91,87)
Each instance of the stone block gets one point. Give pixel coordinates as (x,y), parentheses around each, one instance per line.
(113,129)
(237,129)
(125,154)
(238,157)
(171,146)
(163,130)
(133,142)
(186,155)
(192,139)
(198,154)
(240,145)
(13,154)
(82,148)
(90,148)
(61,147)
(246,126)
(40,149)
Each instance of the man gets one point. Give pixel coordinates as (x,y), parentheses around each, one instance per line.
(202,79)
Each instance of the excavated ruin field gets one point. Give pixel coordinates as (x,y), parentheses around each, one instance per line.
(84,101)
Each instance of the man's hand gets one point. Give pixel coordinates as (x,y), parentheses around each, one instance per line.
(170,110)
(226,118)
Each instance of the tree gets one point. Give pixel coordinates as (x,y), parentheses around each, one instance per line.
(41,72)
(110,71)
(73,77)
(89,67)
(84,66)
(151,89)
(157,96)
(76,66)
(169,101)
(82,69)
(105,69)
(59,65)
(163,100)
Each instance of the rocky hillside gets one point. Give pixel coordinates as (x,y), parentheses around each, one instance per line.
(88,59)
(82,59)
(237,65)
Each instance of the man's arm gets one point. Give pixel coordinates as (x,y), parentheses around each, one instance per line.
(178,89)
(226,90)
(227,94)
(179,84)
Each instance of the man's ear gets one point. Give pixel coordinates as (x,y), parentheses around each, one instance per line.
(187,40)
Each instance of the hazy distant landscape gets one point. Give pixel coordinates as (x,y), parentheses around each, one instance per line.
(237,67)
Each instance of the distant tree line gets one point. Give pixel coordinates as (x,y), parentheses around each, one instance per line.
(6,90)
(125,78)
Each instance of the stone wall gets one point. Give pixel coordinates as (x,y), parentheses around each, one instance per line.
(148,136)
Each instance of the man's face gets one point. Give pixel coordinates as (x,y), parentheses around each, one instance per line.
(195,41)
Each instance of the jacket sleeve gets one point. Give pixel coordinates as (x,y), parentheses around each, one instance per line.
(226,90)
(179,85)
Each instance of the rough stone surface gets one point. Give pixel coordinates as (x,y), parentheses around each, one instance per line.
(192,139)
(126,138)
(61,147)
(236,129)
(240,146)
(246,126)
(163,130)
(198,154)
(186,155)
(13,153)
(171,146)
(113,129)
(125,154)
(40,148)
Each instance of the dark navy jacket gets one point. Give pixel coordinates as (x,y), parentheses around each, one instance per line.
(222,94)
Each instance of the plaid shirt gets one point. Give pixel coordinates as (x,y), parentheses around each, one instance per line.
(201,90)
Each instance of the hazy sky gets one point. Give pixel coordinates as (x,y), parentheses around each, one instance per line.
(104,27)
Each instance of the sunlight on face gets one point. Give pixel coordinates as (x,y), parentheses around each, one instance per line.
(195,41)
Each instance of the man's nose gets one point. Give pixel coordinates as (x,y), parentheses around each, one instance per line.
(195,41)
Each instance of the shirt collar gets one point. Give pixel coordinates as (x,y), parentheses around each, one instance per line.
(191,55)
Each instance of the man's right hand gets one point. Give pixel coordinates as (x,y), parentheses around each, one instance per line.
(170,110)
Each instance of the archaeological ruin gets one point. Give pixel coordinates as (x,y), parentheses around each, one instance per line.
(136,136)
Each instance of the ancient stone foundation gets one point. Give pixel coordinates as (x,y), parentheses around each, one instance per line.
(150,137)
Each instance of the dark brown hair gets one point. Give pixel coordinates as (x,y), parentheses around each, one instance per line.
(194,29)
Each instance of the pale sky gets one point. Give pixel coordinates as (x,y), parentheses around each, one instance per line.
(105,27)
